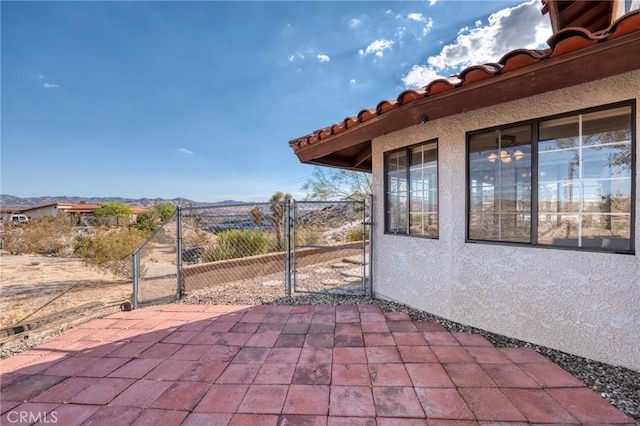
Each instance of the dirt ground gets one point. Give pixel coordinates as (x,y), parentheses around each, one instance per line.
(33,287)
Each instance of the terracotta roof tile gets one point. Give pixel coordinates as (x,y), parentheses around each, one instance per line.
(337,128)
(411,95)
(570,40)
(561,43)
(324,133)
(366,114)
(479,72)
(521,58)
(629,24)
(442,85)
(386,106)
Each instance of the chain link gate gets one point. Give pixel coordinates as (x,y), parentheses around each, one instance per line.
(156,265)
(330,248)
(301,246)
(226,245)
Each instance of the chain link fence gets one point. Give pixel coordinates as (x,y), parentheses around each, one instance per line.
(330,247)
(280,247)
(156,265)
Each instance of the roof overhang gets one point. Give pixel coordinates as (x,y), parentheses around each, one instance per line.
(594,15)
(350,148)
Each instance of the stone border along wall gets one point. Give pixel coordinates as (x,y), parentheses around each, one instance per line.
(208,274)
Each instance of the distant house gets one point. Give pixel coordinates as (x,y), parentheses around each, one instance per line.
(506,197)
(53,210)
(74,211)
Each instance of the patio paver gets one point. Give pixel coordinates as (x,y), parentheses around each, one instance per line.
(299,365)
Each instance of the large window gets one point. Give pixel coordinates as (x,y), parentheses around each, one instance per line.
(581,168)
(411,190)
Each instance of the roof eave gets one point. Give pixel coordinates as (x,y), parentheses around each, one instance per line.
(581,66)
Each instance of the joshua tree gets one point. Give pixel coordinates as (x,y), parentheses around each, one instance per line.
(275,217)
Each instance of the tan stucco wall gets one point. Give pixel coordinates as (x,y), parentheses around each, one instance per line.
(583,303)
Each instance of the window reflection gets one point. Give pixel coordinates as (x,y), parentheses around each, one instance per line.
(412,190)
(585,177)
(500,185)
(582,175)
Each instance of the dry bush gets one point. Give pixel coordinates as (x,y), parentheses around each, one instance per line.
(110,249)
(355,234)
(46,235)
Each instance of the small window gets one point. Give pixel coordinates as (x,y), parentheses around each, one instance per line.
(411,190)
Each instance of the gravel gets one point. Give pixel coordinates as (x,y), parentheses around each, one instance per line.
(619,385)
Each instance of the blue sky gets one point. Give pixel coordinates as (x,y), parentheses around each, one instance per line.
(200,99)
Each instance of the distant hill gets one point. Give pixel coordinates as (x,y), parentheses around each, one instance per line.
(11,201)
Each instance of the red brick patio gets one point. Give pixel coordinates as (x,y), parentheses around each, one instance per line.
(287,365)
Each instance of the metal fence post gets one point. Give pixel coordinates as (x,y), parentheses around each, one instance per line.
(136,277)
(180,287)
(287,257)
(363,241)
(370,246)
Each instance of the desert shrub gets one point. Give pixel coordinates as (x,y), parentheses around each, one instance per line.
(46,235)
(164,210)
(308,235)
(355,234)
(147,221)
(234,244)
(110,249)
(272,242)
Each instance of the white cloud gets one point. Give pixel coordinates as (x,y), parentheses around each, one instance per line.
(39,76)
(420,75)
(296,57)
(354,23)
(522,26)
(185,151)
(324,58)
(427,28)
(432,2)
(416,17)
(415,25)
(353,81)
(50,85)
(377,47)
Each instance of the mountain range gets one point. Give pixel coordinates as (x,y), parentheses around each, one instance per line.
(11,201)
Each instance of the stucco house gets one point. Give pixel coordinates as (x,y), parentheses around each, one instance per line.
(74,211)
(53,210)
(506,197)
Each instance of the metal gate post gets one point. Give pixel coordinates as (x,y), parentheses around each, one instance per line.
(370,246)
(136,277)
(179,250)
(363,241)
(287,257)
(294,245)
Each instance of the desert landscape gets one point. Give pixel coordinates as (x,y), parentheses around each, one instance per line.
(39,288)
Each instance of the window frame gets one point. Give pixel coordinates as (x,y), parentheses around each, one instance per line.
(534,123)
(407,151)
